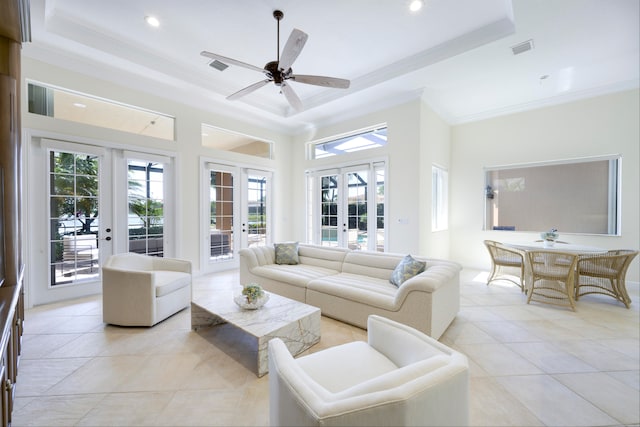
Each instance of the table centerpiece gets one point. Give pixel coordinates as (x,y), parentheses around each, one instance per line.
(252,297)
(549,237)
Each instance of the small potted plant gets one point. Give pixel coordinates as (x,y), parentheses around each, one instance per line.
(549,237)
(252,297)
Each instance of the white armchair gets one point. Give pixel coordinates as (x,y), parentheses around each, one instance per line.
(140,290)
(400,377)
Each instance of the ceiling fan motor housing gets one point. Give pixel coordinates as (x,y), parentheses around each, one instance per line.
(274,71)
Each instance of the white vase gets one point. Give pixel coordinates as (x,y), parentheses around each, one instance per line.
(548,243)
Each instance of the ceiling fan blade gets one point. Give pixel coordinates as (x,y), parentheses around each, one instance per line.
(291,96)
(231,61)
(321,81)
(247,90)
(292,49)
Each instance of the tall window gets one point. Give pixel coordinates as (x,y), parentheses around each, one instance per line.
(440,198)
(360,140)
(146,207)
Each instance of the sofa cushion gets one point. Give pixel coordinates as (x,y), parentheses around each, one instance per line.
(354,287)
(395,378)
(344,366)
(371,264)
(322,256)
(297,275)
(170,281)
(286,253)
(406,269)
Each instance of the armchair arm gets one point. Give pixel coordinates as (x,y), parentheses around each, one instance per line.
(295,398)
(400,343)
(171,264)
(128,294)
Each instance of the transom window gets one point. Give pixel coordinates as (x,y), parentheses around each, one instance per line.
(358,141)
(77,107)
(234,142)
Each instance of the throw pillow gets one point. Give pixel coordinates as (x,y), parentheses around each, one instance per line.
(286,253)
(406,269)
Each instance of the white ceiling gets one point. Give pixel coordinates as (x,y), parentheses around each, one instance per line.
(455,54)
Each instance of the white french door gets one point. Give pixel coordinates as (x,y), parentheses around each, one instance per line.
(236,213)
(70,220)
(347,207)
(79,214)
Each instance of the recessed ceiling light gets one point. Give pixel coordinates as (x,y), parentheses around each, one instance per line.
(79,105)
(416,5)
(152,20)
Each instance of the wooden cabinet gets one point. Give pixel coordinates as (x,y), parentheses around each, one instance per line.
(12,321)
(14,30)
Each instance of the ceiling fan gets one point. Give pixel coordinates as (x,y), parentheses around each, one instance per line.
(279,71)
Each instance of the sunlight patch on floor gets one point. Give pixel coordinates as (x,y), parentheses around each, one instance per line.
(483,276)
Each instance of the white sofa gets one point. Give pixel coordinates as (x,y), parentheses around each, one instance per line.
(400,377)
(141,290)
(351,285)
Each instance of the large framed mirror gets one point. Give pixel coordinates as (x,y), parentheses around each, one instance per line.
(577,196)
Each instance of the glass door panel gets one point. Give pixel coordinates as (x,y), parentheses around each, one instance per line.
(380,213)
(329,219)
(145,194)
(256,210)
(73,217)
(357,209)
(221,202)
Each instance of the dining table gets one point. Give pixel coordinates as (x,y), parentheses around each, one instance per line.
(563,247)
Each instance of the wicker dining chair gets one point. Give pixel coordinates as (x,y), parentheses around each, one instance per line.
(604,274)
(505,260)
(551,277)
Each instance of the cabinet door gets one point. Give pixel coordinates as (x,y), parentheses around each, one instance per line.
(4,393)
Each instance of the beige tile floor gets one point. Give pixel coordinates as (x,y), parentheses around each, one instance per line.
(530,365)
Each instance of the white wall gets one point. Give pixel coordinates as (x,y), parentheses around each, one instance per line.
(598,126)
(435,145)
